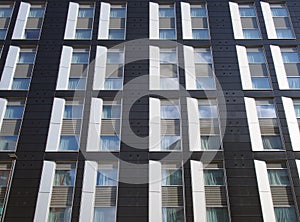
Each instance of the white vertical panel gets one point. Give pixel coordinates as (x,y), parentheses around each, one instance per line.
(154,125)
(264,189)
(198,191)
(155,194)
(64,68)
(45,192)
(55,125)
(70,29)
(194,124)
(279,67)
(269,23)
(292,122)
(21,21)
(253,123)
(186,20)
(100,68)
(154,20)
(9,68)
(154,71)
(189,66)
(236,20)
(88,191)
(298,167)
(3,103)
(104,20)
(93,141)
(244,67)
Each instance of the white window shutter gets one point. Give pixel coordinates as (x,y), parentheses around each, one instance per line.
(154,125)
(9,68)
(194,124)
(71,24)
(21,21)
(3,103)
(55,125)
(88,191)
(64,68)
(154,20)
(155,198)
(253,123)
(279,67)
(45,192)
(93,141)
(244,67)
(104,21)
(189,66)
(236,20)
(292,122)
(264,189)
(154,72)
(269,23)
(186,20)
(100,68)
(198,191)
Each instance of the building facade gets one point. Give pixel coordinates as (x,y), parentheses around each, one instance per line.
(157,111)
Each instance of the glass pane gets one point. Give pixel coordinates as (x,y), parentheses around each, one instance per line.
(166,12)
(285,214)
(86,13)
(170,143)
(203,57)
(77,83)
(116,34)
(209,111)
(217,214)
(107,177)
(297,110)
(36,13)
(285,34)
(21,83)
(260,83)
(170,112)
(83,34)
(279,12)
(111,112)
(266,111)
(171,177)
(14,112)
(198,12)
(4,174)
(256,57)
(214,177)
(115,57)
(247,12)
(8,142)
(32,34)
(173,214)
(73,112)
(5,12)
(272,142)
(64,177)
(290,57)
(168,57)
(205,83)
(200,34)
(2,33)
(69,143)
(117,12)
(26,57)
(251,33)
(210,143)
(294,82)
(105,214)
(113,83)
(169,83)
(109,143)
(278,177)
(60,214)
(167,34)
(80,58)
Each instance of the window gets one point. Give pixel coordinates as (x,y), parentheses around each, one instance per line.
(117,22)
(62,214)
(85,19)
(109,213)
(266,111)
(249,22)
(170,112)
(208,111)
(171,177)
(34,22)
(199,22)
(14,112)
(73,112)
(285,214)
(5,15)
(64,177)
(80,58)
(169,142)
(5,178)
(168,69)
(167,26)
(278,177)
(214,177)
(107,175)
(114,69)
(111,112)
(173,214)
(69,143)
(297,108)
(217,214)
(109,143)
(291,61)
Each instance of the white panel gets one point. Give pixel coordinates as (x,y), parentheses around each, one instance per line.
(186,21)
(264,191)
(236,20)
(154,71)
(21,21)
(45,192)
(64,68)
(3,103)
(70,29)
(154,125)
(279,67)
(194,124)
(155,198)
(9,68)
(244,67)
(88,191)
(269,23)
(253,123)
(55,125)
(199,204)
(292,122)
(100,68)
(104,21)
(298,167)
(154,20)
(93,142)
(189,66)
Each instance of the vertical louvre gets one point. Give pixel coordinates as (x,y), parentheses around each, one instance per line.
(21,21)
(70,29)
(104,21)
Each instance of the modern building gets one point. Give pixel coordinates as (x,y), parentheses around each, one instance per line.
(150,111)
